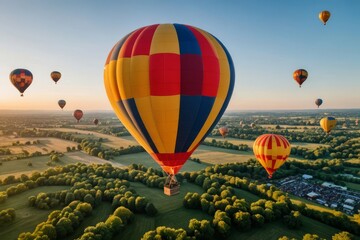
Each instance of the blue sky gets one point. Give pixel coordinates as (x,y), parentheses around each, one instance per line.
(267,40)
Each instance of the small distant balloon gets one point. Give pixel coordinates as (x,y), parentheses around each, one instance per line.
(223,131)
(324,16)
(21,79)
(78,114)
(96,121)
(318,102)
(357,122)
(62,103)
(252,125)
(328,123)
(55,75)
(300,76)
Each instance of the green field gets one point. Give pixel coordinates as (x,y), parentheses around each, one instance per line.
(277,229)
(99,214)
(26,217)
(250,143)
(171,212)
(146,160)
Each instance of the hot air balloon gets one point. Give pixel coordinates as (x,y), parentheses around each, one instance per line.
(324,16)
(169,84)
(318,102)
(271,150)
(55,75)
(328,123)
(357,122)
(300,76)
(96,121)
(21,79)
(62,103)
(223,131)
(252,125)
(78,114)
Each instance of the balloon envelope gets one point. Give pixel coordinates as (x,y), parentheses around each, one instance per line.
(324,16)
(96,121)
(300,76)
(55,75)
(223,131)
(328,123)
(169,84)
(21,79)
(62,103)
(318,102)
(271,150)
(78,114)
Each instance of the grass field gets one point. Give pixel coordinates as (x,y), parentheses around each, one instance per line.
(109,141)
(18,167)
(99,214)
(171,212)
(353,186)
(146,160)
(277,229)
(250,143)
(26,217)
(49,144)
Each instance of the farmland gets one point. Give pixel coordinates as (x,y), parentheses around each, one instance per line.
(21,163)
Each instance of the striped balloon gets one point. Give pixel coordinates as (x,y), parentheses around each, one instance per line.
(169,84)
(328,123)
(271,150)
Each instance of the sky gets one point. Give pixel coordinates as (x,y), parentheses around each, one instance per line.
(268,41)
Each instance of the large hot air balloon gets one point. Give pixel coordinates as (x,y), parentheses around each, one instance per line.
(318,102)
(300,76)
(62,103)
(169,84)
(271,150)
(324,16)
(328,123)
(55,75)
(78,114)
(96,121)
(223,131)
(21,79)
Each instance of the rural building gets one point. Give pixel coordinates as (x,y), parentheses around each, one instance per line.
(350,201)
(312,195)
(331,185)
(307,176)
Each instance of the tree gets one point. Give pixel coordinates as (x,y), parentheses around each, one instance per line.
(150,209)
(342,236)
(89,199)
(69,198)
(124,214)
(258,220)
(63,227)
(242,220)
(201,229)
(114,223)
(309,236)
(293,220)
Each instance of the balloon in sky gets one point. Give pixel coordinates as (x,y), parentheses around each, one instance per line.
(328,123)
(78,114)
(223,131)
(169,84)
(96,121)
(324,16)
(318,102)
(55,75)
(62,103)
(271,150)
(300,76)
(21,79)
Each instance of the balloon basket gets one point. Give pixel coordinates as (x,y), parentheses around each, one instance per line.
(171,186)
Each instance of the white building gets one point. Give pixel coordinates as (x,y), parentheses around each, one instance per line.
(349,201)
(306,176)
